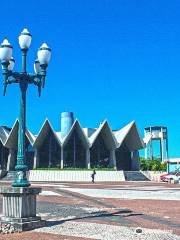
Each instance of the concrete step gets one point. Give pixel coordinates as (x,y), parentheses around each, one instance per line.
(135,176)
(74,176)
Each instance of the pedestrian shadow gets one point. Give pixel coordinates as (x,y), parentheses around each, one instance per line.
(95,215)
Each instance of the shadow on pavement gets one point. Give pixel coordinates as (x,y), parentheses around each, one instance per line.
(95,215)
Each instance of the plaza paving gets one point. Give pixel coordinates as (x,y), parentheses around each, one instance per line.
(107,211)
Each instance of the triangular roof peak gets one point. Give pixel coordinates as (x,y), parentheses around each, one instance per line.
(11,141)
(76,126)
(109,136)
(124,134)
(46,127)
(4,134)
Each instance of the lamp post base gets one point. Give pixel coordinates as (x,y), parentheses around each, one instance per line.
(21,180)
(21,183)
(19,208)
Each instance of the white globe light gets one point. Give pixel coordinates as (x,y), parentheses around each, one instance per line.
(44,54)
(11,64)
(5,51)
(25,39)
(37,67)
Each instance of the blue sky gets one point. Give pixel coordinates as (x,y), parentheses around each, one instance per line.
(117,60)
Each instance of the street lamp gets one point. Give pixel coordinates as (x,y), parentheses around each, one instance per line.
(23,79)
(19,201)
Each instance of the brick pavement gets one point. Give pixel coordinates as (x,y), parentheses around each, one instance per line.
(145,213)
(152,214)
(38,236)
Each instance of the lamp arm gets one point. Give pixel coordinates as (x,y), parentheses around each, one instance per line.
(4,87)
(36,79)
(38,83)
(39,88)
(5,73)
(43,74)
(13,77)
(9,78)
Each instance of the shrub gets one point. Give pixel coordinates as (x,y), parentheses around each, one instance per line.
(152,165)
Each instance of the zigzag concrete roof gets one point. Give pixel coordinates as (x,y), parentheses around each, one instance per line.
(11,140)
(123,135)
(114,139)
(46,127)
(107,134)
(4,133)
(76,126)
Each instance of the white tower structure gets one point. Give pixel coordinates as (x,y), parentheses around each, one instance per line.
(156,133)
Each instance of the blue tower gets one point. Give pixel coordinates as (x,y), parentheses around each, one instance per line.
(67,120)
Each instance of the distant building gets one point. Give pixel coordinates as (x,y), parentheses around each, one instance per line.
(173,165)
(74,146)
(152,134)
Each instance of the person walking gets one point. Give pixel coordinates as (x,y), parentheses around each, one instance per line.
(93,175)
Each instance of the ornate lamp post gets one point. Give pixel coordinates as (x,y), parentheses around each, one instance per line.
(23,79)
(19,201)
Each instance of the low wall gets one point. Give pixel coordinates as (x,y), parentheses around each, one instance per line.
(74,176)
(153,175)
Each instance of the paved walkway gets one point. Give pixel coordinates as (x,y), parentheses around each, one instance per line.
(82,211)
(105,231)
(137,193)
